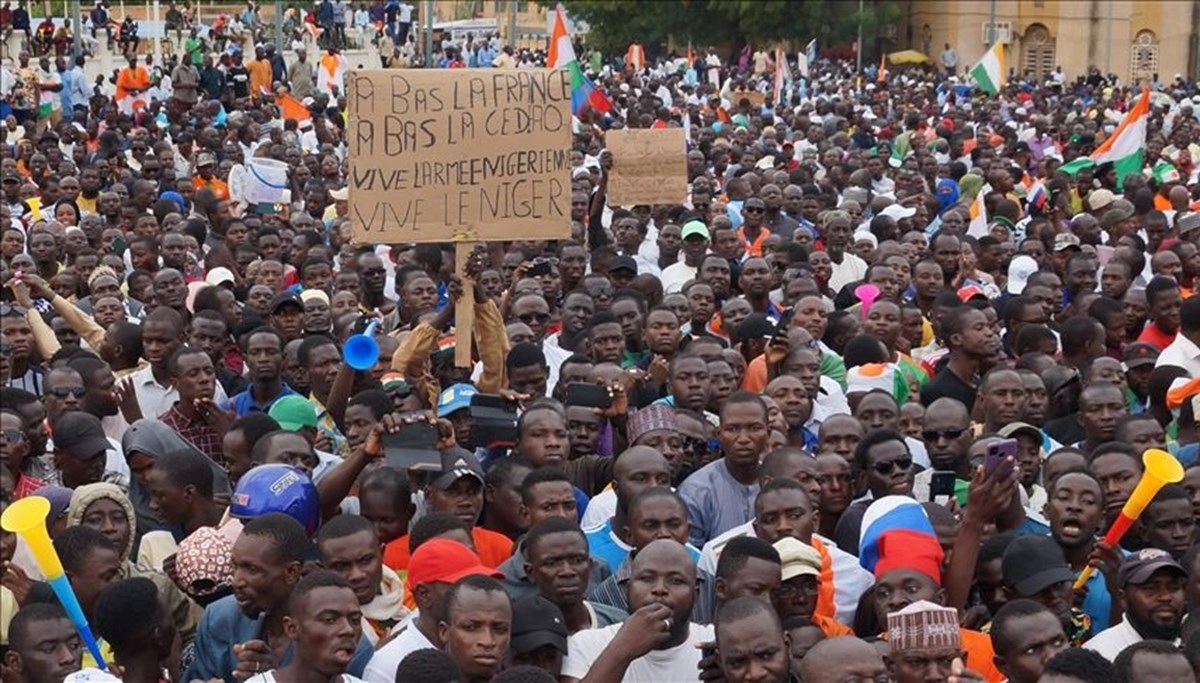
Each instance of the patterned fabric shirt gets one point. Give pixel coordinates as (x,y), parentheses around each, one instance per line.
(197,431)
(339,445)
(611,592)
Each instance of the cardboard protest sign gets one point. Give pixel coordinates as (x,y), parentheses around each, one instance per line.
(649,166)
(444,154)
(756,98)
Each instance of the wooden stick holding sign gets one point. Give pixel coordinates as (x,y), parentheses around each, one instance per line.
(464,311)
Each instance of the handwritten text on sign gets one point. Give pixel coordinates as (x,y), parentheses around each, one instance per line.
(649,166)
(481,152)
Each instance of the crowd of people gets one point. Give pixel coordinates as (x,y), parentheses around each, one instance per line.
(858,407)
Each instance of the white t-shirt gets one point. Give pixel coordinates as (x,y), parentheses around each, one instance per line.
(680,663)
(406,11)
(269,677)
(382,667)
(676,275)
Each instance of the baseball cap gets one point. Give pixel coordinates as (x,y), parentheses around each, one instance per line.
(456,464)
(60,501)
(537,622)
(1065,240)
(441,560)
(1137,568)
(285,298)
(1019,270)
(1138,354)
(798,558)
(1099,199)
(206,159)
(756,325)
(219,276)
(454,398)
(293,413)
(81,435)
(897,212)
(969,292)
(624,263)
(1120,210)
(1033,563)
(1011,429)
(694,228)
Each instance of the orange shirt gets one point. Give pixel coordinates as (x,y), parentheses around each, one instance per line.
(755,379)
(832,627)
(493,549)
(754,248)
(216,185)
(260,77)
(129,79)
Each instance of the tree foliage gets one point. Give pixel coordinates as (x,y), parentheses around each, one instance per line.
(616,23)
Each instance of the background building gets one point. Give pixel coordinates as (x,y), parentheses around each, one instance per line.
(1129,38)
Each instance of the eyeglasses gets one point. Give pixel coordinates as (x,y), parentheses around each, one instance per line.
(63,392)
(947,434)
(529,318)
(12,435)
(886,468)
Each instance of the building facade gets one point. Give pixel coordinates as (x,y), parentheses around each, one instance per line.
(1132,39)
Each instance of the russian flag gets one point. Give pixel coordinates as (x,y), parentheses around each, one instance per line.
(886,516)
(561,55)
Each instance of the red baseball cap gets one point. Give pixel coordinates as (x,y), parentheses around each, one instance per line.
(441,560)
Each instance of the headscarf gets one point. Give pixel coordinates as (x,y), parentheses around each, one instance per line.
(947,194)
(969,186)
(87,494)
(175,197)
(154,439)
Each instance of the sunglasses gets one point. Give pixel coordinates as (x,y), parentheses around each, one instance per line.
(932,435)
(528,318)
(600,291)
(752,209)
(63,392)
(12,435)
(886,468)
(9,309)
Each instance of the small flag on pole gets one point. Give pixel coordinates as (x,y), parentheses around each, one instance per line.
(783,74)
(561,55)
(1125,148)
(978,227)
(990,72)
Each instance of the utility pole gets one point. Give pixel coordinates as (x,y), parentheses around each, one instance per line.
(859,51)
(282,43)
(429,33)
(1108,39)
(77,42)
(512,23)
(991,34)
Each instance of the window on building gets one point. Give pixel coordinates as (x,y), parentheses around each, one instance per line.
(1144,56)
(1037,47)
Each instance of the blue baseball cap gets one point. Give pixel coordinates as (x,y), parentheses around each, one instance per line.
(455,398)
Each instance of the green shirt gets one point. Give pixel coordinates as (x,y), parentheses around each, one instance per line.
(194,47)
